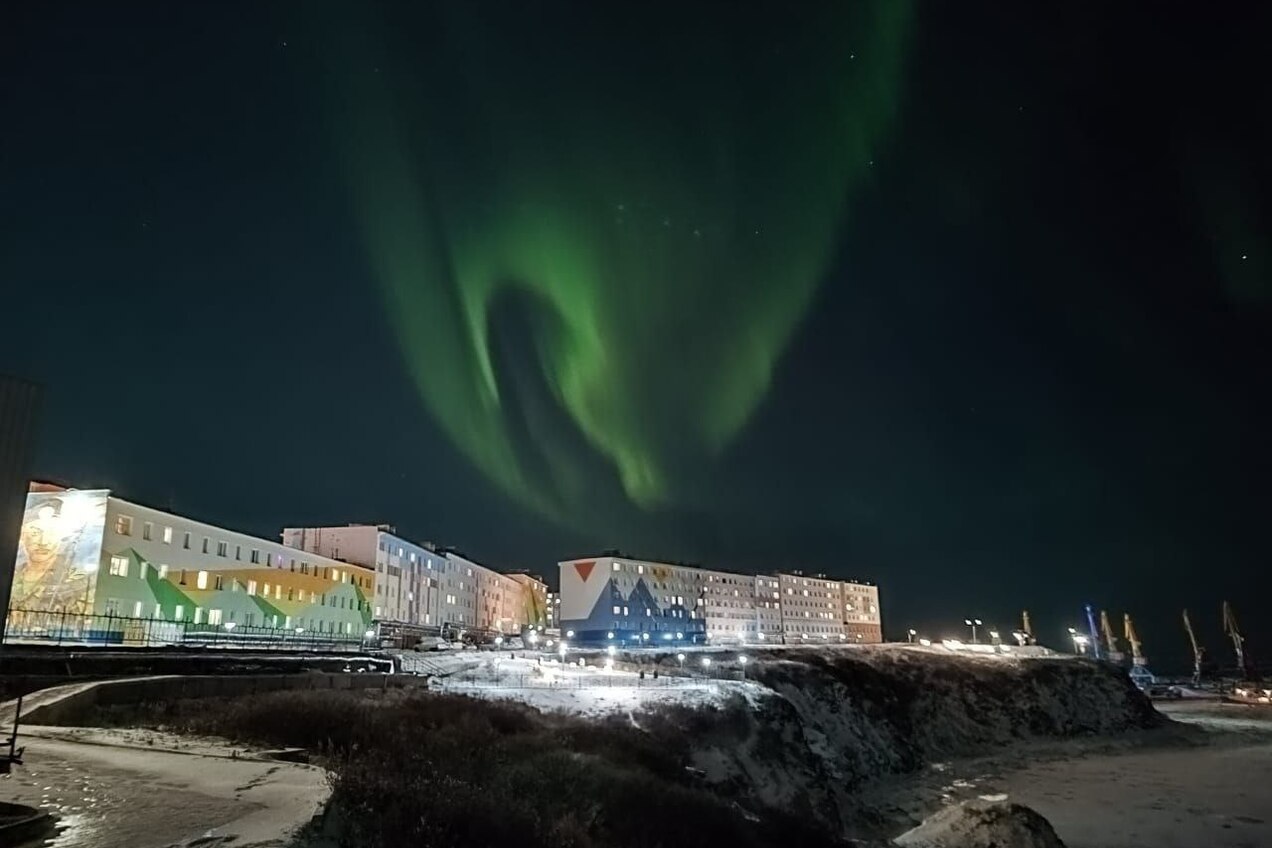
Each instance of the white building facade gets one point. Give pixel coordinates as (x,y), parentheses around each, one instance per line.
(620,599)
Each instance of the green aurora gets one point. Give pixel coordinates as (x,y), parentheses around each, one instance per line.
(592,275)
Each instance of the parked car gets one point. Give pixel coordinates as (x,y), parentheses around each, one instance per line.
(1168,693)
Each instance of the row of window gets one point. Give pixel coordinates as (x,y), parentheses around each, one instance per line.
(206,615)
(124,527)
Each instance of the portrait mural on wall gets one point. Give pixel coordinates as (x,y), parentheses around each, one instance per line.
(59,551)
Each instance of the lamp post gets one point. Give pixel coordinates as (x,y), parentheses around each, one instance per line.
(911,634)
(742,662)
(973,623)
(681,659)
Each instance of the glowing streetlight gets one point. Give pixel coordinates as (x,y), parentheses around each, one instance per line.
(498,641)
(609,635)
(611,650)
(912,633)
(569,634)
(742,662)
(370,634)
(534,637)
(681,659)
(706,662)
(679,636)
(561,649)
(973,623)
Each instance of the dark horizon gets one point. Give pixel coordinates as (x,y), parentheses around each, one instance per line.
(973,303)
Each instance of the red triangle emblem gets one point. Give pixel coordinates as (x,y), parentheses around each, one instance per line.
(585,569)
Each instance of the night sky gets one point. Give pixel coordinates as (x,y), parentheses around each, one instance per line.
(974,301)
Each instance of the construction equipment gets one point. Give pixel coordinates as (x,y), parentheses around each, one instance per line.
(1230,629)
(1198,651)
(1139,663)
(1113,655)
(1095,634)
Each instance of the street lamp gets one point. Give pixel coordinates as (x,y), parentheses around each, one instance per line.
(611,650)
(609,635)
(681,659)
(973,623)
(742,662)
(911,634)
(561,649)
(569,634)
(706,662)
(498,641)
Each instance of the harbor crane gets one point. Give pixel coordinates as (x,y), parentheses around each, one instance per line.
(1233,632)
(1139,663)
(1110,641)
(1198,651)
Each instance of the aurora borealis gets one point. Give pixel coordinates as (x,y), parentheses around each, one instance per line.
(657,253)
(970,299)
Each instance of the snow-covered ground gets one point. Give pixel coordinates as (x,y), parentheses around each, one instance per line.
(568,687)
(1174,788)
(145,790)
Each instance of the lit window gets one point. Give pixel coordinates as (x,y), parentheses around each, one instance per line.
(158,611)
(201,581)
(616,609)
(178,614)
(618,567)
(119,566)
(251,587)
(123,525)
(198,615)
(136,609)
(163,571)
(141,569)
(214,616)
(167,535)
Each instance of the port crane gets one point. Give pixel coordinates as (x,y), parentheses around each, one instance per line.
(1095,634)
(1110,641)
(1233,632)
(1139,663)
(1198,651)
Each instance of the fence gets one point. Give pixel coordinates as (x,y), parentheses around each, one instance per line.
(585,681)
(65,628)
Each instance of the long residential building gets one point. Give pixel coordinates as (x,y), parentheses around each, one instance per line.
(88,556)
(418,585)
(615,598)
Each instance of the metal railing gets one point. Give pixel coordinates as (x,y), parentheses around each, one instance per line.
(104,630)
(465,680)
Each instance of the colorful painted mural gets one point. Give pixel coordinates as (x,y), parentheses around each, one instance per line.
(59,551)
